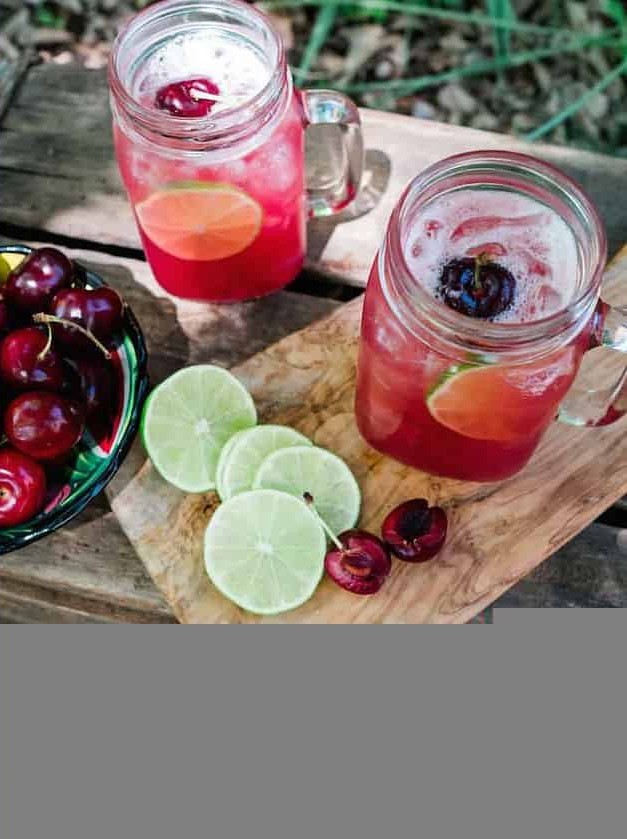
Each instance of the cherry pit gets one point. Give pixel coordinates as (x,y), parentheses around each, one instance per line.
(56,337)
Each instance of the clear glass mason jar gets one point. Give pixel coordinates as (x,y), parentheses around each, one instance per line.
(220,200)
(469,398)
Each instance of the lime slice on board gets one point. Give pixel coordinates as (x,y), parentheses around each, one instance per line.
(323,475)
(491,402)
(224,455)
(188,419)
(241,461)
(264,550)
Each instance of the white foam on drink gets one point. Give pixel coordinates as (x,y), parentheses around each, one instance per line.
(232,63)
(526,237)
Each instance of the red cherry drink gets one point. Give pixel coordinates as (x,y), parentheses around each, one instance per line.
(224,219)
(453,410)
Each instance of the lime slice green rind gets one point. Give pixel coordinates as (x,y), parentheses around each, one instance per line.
(300,469)
(202,186)
(272,564)
(188,419)
(241,461)
(453,371)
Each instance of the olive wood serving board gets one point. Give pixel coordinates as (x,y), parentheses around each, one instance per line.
(497,532)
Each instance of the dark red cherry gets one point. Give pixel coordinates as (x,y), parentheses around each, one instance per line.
(99,311)
(362,563)
(414,531)
(189,98)
(28,361)
(44,425)
(31,285)
(477,287)
(93,379)
(22,487)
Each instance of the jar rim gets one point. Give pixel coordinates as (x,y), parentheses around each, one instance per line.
(224,127)
(420,310)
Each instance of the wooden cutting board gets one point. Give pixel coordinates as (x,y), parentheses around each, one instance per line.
(497,532)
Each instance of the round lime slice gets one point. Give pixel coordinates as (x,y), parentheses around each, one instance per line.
(188,419)
(323,475)
(241,461)
(264,550)
(224,455)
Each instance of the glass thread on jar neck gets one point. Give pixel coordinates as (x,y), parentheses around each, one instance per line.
(426,316)
(228,126)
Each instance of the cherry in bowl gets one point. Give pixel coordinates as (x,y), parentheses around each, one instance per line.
(44,425)
(29,361)
(32,284)
(22,487)
(77,311)
(113,398)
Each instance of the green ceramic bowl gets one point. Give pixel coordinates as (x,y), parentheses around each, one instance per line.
(102,450)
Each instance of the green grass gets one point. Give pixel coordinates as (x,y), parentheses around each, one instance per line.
(515,42)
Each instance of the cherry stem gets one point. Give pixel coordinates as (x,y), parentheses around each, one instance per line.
(41,317)
(480,260)
(47,345)
(201,95)
(477,282)
(309,501)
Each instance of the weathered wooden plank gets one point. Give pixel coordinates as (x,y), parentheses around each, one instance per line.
(11,74)
(91,562)
(89,569)
(58,171)
(22,604)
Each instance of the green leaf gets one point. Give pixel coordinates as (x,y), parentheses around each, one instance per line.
(410,7)
(359,11)
(404,87)
(501,10)
(44,16)
(615,9)
(323,25)
(575,106)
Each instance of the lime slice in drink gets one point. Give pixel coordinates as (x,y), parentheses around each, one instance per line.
(201,221)
(264,550)
(494,402)
(323,475)
(188,419)
(241,461)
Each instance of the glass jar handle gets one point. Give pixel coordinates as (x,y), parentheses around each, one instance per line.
(336,179)
(605,405)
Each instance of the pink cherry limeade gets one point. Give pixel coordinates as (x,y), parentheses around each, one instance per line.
(220,224)
(452,415)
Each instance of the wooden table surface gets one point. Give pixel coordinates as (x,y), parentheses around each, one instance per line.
(60,184)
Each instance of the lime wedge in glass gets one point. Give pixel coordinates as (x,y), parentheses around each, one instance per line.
(323,475)
(264,550)
(188,419)
(240,462)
